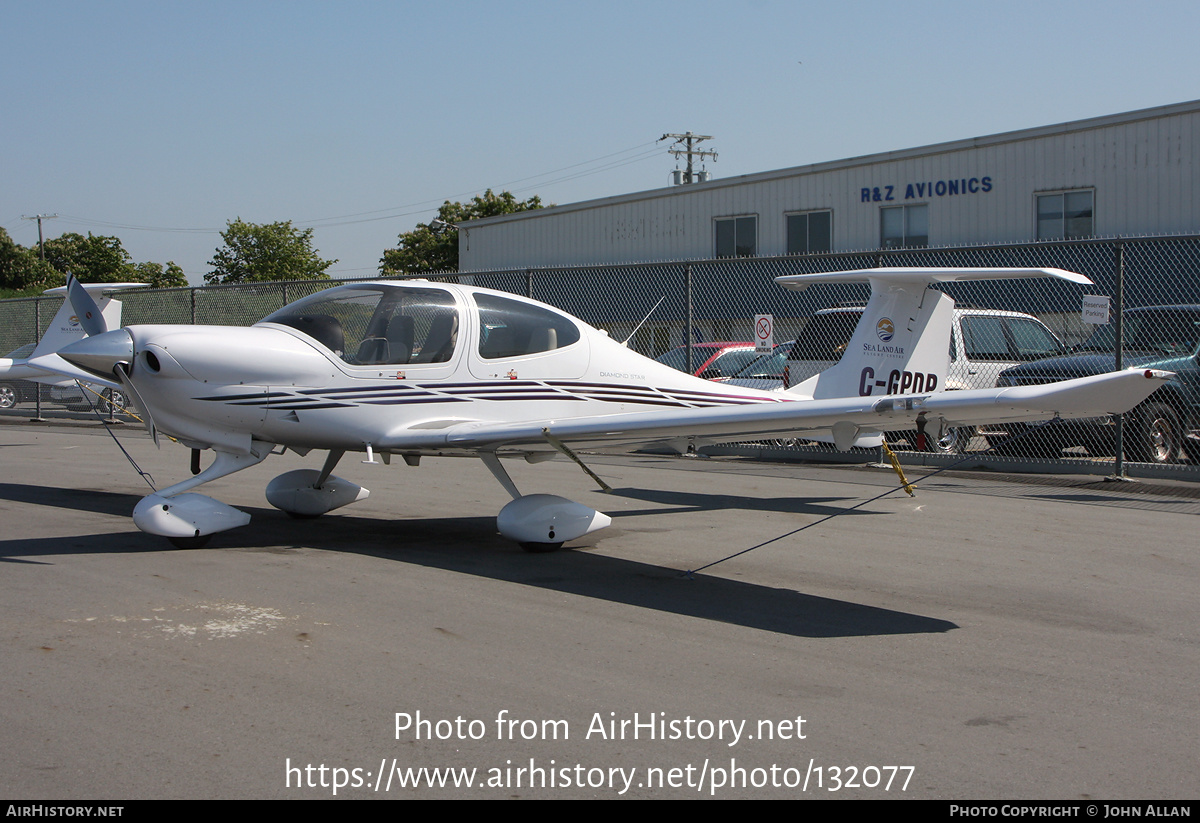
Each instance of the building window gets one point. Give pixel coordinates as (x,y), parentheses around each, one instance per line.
(810,233)
(737,236)
(1064,215)
(904,227)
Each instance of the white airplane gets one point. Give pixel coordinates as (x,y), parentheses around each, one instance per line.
(416,368)
(65,328)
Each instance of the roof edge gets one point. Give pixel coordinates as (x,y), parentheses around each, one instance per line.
(1069,127)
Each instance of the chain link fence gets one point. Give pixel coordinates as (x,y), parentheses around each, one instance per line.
(1006,333)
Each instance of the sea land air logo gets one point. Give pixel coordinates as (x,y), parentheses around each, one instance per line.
(885,329)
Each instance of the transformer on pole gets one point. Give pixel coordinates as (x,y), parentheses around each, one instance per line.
(689,141)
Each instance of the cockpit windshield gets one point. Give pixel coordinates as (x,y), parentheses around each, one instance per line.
(371,325)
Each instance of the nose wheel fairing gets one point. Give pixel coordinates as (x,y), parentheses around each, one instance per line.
(186,516)
(171,513)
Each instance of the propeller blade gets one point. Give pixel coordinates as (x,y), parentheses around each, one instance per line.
(121,370)
(89,314)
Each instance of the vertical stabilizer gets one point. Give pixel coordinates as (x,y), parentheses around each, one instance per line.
(901,344)
(66,327)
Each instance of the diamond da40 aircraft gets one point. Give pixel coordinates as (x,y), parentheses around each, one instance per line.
(415,368)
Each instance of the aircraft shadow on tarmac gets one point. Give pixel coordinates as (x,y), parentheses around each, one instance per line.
(87,500)
(470,545)
(692,501)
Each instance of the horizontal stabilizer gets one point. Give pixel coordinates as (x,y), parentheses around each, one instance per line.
(800,282)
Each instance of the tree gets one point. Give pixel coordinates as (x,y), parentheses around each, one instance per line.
(92,259)
(423,251)
(159,278)
(22,271)
(256,252)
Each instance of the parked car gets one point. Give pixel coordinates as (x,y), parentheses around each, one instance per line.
(1157,431)
(983,342)
(104,400)
(765,371)
(13,392)
(711,360)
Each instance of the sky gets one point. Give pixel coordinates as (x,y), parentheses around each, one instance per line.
(161,122)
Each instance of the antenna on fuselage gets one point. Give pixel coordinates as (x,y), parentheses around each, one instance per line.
(625,342)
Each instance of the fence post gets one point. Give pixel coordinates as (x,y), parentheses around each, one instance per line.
(37,336)
(1119,448)
(529,283)
(687,331)
(193,297)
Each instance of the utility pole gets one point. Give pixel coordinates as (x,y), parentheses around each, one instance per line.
(690,140)
(40,218)
(37,318)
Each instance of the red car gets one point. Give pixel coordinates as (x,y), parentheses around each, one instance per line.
(712,361)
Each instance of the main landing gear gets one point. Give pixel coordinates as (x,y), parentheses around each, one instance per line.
(541,522)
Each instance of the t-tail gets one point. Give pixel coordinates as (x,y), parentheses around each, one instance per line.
(68,326)
(76,320)
(901,345)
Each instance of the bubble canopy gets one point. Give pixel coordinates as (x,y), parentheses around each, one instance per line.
(381,324)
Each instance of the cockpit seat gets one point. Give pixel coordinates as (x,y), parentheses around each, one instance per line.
(323,328)
(439,343)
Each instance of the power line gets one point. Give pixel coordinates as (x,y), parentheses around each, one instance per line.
(616,164)
(405,210)
(504,185)
(88,221)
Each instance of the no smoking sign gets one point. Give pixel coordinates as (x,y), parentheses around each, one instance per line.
(764,332)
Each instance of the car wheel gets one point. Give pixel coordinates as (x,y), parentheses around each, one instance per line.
(951,440)
(8,397)
(1157,435)
(113,401)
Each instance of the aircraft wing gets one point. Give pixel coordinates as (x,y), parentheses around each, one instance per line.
(846,418)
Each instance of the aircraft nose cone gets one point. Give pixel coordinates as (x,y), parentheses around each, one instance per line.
(101,353)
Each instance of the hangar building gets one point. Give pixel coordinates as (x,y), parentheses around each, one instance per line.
(1123,175)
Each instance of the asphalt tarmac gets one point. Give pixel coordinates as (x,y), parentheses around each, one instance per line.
(989,639)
